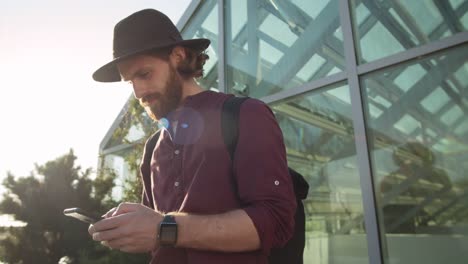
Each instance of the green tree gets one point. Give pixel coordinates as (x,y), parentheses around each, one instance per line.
(39,199)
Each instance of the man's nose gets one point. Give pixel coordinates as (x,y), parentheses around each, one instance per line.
(138,91)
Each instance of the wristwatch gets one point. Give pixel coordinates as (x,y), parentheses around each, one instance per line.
(167,235)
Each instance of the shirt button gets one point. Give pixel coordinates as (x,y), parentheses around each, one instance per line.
(276,183)
(176,184)
(177,152)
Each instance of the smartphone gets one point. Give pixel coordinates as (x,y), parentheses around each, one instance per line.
(82,215)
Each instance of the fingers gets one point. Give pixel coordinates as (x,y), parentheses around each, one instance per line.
(120,244)
(124,245)
(107,224)
(110,212)
(129,227)
(110,234)
(130,244)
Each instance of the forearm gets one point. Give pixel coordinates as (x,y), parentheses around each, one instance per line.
(232,231)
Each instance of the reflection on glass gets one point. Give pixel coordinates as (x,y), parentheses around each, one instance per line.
(384,28)
(419,150)
(204,24)
(274,45)
(319,138)
(134,125)
(117,163)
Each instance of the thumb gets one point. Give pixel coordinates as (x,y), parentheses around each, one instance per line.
(109,213)
(125,208)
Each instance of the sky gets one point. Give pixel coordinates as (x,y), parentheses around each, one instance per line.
(49,103)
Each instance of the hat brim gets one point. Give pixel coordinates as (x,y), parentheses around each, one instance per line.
(110,73)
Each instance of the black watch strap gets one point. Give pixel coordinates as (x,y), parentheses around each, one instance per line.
(167,235)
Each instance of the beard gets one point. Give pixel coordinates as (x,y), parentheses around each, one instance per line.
(167,101)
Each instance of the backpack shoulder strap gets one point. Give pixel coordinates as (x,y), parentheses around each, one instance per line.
(230,122)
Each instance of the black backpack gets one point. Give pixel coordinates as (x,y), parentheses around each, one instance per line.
(292,252)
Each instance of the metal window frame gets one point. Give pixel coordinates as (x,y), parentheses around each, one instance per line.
(221,47)
(414,53)
(376,245)
(188,13)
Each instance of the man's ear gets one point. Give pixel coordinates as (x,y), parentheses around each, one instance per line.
(178,54)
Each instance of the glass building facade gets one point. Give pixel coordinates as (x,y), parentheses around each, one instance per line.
(372,99)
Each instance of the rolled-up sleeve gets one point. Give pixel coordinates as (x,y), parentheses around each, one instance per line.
(260,166)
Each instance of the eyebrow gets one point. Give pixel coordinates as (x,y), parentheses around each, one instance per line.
(122,77)
(128,79)
(143,68)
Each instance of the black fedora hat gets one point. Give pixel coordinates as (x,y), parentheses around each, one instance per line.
(143,31)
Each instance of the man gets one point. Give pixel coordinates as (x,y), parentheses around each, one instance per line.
(199,206)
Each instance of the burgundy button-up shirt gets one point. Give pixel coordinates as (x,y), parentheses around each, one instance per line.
(191,171)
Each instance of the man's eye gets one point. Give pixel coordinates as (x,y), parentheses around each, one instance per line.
(144,75)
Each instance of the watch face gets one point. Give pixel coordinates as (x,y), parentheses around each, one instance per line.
(168,234)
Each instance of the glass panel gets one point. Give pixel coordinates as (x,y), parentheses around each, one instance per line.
(204,24)
(117,164)
(318,133)
(126,131)
(384,28)
(419,151)
(274,45)
(134,125)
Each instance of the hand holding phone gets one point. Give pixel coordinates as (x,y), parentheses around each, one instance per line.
(82,215)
